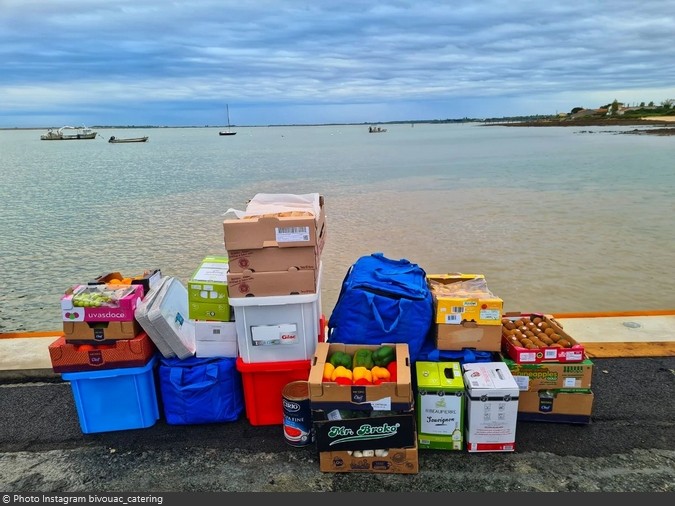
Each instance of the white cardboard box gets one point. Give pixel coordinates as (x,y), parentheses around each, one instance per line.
(215,339)
(492,407)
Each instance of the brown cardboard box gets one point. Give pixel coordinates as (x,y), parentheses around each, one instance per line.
(563,406)
(100,332)
(281,232)
(398,396)
(265,284)
(468,334)
(275,259)
(550,375)
(396,461)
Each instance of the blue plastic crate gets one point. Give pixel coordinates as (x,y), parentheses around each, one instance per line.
(115,399)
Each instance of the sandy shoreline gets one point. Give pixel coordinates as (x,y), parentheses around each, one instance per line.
(669,119)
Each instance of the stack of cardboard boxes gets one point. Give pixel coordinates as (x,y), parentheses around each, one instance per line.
(105,354)
(274,285)
(554,382)
(209,308)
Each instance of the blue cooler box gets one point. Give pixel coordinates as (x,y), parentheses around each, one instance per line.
(115,399)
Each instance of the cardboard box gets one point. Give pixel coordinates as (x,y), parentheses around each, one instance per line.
(562,406)
(120,303)
(100,332)
(479,306)
(550,375)
(275,259)
(388,396)
(514,350)
(147,280)
(396,461)
(440,405)
(66,357)
(468,334)
(208,293)
(266,284)
(273,231)
(492,407)
(215,339)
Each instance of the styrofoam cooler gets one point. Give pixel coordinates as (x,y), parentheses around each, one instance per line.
(163,314)
(278,328)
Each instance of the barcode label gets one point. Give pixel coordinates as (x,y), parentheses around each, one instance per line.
(292,234)
(453,318)
(457,309)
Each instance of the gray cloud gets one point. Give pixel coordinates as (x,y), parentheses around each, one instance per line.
(178,63)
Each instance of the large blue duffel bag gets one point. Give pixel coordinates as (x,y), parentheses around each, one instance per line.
(200,390)
(383,300)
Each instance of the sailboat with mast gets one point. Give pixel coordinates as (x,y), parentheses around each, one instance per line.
(229,129)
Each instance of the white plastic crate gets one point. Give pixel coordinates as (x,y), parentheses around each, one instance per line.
(278,328)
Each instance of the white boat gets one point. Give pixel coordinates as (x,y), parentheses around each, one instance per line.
(67,133)
(229,129)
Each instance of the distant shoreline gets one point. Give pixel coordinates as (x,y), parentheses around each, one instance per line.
(667,122)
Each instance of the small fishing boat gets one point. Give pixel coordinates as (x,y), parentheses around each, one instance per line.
(81,133)
(115,140)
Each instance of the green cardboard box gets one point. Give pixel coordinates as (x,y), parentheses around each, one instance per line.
(208,296)
(440,406)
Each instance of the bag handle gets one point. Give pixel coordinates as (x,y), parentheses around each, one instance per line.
(378,317)
(176,377)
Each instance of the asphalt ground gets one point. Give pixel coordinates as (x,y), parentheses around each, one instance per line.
(628,447)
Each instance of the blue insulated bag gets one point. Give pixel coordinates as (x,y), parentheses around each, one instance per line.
(383,301)
(200,390)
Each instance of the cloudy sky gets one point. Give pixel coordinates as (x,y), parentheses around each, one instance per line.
(162,62)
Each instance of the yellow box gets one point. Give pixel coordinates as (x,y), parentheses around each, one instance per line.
(476,303)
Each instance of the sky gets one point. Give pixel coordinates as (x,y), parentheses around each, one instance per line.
(274,62)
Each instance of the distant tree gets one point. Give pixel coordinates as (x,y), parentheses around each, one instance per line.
(615,107)
(642,104)
(576,110)
(651,104)
(667,104)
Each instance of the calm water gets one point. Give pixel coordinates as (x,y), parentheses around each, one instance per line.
(558,219)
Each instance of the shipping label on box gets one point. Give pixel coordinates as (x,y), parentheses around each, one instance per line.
(464,297)
(274,335)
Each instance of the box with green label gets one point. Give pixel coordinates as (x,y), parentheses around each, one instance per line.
(440,405)
(208,296)
(551,375)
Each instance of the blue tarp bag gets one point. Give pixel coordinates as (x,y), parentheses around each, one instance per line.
(383,301)
(200,390)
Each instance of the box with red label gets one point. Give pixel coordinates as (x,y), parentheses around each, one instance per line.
(100,303)
(134,352)
(100,332)
(530,338)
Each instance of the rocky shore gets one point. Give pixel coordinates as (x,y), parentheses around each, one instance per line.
(663,126)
